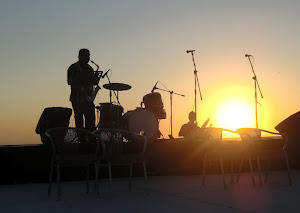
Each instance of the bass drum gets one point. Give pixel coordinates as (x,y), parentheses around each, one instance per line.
(141,121)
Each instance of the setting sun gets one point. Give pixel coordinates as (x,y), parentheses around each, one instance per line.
(234,114)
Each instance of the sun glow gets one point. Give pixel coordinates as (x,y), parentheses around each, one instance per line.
(234,114)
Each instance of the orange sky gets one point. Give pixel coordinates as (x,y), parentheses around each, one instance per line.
(143,42)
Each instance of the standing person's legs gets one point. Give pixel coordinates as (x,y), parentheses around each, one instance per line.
(78,113)
(89,115)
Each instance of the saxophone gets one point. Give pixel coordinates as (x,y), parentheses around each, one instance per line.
(91,97)
(93,94)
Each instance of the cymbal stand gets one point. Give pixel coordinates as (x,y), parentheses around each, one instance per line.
(256,85)
(171,107)
(110,93)
(196,83)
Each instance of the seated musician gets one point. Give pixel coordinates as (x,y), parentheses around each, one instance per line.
(191,130)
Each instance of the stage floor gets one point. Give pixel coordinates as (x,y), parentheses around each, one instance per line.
(167,194)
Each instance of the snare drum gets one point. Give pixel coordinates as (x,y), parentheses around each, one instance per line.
(142,120)
(110,116)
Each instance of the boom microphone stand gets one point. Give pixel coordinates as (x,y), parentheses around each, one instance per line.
(171,107)
(256,84)
(196,82)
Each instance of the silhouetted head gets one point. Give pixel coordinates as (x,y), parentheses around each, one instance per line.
(84,56)
(192,116)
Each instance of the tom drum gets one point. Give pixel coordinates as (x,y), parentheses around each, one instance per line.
(110,116)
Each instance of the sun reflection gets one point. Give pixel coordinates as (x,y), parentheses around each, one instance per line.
(233,114)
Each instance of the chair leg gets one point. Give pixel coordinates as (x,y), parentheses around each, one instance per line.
(259,170)
(50,176)
(240,169)
(130,176)
(251,170)
(58,180)
(288,168)
(145,176)
(87,179)
(203,169)
(231,168)
(267,170)
(223,174)
(109,173)
(96,186)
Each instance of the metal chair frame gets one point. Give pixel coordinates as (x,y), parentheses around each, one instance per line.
(253,136)
(216,146)
(61,158)
(115,141)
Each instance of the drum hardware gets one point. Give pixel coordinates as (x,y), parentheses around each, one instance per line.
(116,87)
(171,102)
(111,114)
(110,90)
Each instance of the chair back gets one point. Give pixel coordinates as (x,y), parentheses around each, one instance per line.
(249,135)
(214,134)
(254,136)
(120,142)
(70,143)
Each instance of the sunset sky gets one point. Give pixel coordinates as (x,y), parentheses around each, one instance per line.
(143,42)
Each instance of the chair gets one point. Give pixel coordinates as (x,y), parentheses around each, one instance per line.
(290,127)
(215,147)
(74,147)
(124,148)
(264,148)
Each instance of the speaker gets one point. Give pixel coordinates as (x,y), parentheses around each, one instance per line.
(53,117)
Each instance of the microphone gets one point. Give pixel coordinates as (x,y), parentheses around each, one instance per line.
(190,51)
(105,74)
(154,87)
(247,55)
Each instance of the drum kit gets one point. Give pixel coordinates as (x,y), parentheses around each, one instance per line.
(143,120)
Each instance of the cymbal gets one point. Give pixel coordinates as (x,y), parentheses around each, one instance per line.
(117,86)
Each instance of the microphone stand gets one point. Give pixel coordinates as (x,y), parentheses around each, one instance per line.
(256,85)
(196,83)
(171,107)
(116,95)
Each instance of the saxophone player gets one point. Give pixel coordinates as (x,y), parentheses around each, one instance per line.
(82,79)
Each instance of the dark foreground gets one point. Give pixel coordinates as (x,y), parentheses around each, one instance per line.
(167,194)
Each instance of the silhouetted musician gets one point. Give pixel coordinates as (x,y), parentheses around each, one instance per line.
(82,79)
(190,130)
